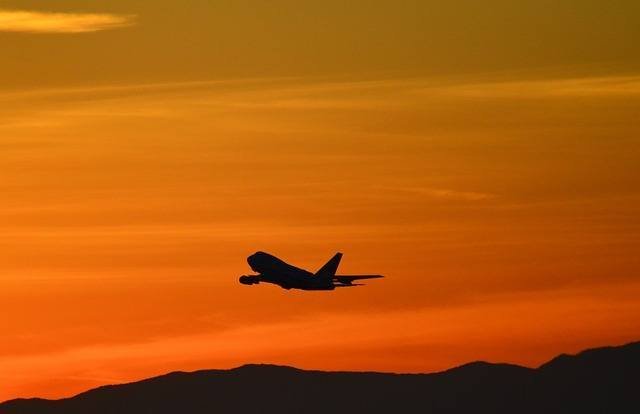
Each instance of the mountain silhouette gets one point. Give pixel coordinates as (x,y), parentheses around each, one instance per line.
(603,380)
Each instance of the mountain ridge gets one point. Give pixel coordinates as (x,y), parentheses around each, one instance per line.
(594,380)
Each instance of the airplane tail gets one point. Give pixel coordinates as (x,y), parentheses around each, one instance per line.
(328,271)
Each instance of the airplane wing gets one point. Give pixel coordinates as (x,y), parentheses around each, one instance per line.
(349,279)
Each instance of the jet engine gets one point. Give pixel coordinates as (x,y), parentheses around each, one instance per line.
(249,280)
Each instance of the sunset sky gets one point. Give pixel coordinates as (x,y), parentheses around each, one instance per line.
(484,156)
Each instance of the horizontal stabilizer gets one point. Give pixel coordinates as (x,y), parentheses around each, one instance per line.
(349,279)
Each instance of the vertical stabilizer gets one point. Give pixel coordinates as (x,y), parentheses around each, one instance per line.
(328,271)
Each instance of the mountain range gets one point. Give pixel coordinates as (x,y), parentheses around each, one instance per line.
(601,380)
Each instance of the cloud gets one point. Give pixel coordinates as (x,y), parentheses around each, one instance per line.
(443,193)
(607,86)
(21,21)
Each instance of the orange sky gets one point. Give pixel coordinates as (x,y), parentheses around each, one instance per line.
(500,199)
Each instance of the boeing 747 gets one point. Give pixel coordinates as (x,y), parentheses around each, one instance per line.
(270,269)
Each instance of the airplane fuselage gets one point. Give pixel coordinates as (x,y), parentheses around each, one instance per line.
(270,269)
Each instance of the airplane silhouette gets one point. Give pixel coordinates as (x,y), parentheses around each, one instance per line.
(273,270)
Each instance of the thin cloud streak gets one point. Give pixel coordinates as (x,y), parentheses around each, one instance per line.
(293,92)
(23,21)
(606,86)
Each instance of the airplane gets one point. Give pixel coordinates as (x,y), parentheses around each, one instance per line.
(270,269)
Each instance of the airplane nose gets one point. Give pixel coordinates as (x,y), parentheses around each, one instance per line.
(253,259)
